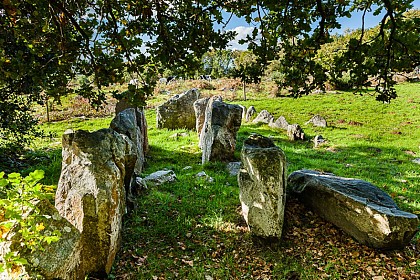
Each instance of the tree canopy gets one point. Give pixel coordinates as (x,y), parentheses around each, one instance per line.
(46,44)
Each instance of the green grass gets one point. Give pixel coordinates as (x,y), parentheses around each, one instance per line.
(192,229)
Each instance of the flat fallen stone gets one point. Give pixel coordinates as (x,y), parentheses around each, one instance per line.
(160,177)
(359,208)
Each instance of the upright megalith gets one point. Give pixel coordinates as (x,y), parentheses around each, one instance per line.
(178,111)
(262,184)
(250,113)
(91,194)
(218,136)
(359,208)
(200,106)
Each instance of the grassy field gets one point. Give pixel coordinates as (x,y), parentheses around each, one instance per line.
(192,229)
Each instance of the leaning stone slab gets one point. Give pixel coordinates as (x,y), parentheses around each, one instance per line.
(359,208)
(200,106)
(160,177)
(262,184)
(57,260)
(250,113)
(178,111)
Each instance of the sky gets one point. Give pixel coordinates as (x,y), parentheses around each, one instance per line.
(242,28)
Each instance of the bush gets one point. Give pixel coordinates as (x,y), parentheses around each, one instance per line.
(18,209)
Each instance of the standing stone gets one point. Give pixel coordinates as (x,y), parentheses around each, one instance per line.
(264,117)
(359,208)
(249,113)
(318,141)
(295,132)
(122,105)
(218,136)
(91,192)
(200,106)
(262,183)
(317,120)
(243,111)
(178,111)
(280,123)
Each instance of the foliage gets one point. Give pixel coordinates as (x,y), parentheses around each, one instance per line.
(294,32)
(248,68)
(218,63)
(45,44)
(18,209)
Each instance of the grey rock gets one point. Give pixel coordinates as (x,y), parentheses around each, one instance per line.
(295,132)
(160,177)
(318,141)
(218,136)
(200,106)
(280,123)
(416,160)
(178,111)
(203,175)
(359,208)
(57,260)
(233,168)
(243,111)
(262,184)
(317,120)
(97,169)
(264,117)
(250,113)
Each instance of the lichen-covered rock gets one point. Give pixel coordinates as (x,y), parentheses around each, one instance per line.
(359,208)
(57,260)
(264,117)
(200,106)
(160,177)
(250,113)
(218,136)
(178,111)
(96,170)
(262,184)
(317,120)
(295,132)
(280,123)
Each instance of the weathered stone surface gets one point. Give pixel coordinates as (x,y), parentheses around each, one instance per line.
(200,106)
(295,132)
(122,105)
(280,123)
(233,168)
(58,260)
(129,122)
(96,170)
(160,177)
(218,136)
(250,113)
(318,141)
(243,111)
(359,208)
(264,117)
(178,111)
(262,184)
(317,120)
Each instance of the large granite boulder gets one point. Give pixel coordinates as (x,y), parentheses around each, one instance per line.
(178,111)
(359,208)
(264,117)
(97,168)
(218,136)
(57,260)
(262,184)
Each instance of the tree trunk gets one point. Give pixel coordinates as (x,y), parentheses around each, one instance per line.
(244,90)
(48,110)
